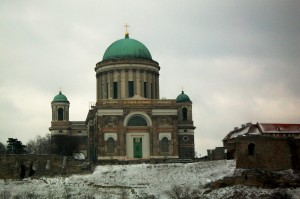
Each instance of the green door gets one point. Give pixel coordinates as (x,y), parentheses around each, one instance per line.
(137,147)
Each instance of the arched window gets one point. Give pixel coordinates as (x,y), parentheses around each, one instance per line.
(60,114)
(184,114)
(110,145)
(251,149)
(164,145)
(137,121)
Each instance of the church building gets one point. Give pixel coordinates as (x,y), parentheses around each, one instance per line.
(129,120)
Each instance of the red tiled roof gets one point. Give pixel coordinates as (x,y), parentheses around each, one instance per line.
(264,128)
(279,128)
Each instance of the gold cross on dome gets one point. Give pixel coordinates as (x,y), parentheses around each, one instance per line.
(126,30)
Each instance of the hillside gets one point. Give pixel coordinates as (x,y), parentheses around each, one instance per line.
(139,181)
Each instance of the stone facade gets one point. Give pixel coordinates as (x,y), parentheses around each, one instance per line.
(267,153)
(275,130)
(68,138)
(164,134)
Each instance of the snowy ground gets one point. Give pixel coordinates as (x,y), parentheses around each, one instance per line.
(135,181)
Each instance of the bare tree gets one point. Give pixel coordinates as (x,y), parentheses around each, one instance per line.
(40,145)
(2,148)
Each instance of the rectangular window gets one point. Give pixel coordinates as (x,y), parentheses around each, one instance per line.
(115,90)
(145,89)
(130,88)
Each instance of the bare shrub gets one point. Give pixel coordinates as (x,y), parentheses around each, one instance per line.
(89,196)
(67,193)
(182,192)
(30,195)
(18,196)
(26,195)
(281,194)
(5,194)
(124,194)
(50,194)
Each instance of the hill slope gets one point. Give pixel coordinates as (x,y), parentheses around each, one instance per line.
(136,181)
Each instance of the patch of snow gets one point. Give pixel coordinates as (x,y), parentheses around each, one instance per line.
(132,181)
(78,156)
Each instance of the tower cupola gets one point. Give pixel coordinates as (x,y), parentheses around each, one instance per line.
(183,98)
(60,108)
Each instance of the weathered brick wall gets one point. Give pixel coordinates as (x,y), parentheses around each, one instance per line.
(269,153)
(218,153)
(230,145)
(15,166)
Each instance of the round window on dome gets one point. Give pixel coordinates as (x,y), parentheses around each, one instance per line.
(185,138)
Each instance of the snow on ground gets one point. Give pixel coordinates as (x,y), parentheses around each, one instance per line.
(130,181)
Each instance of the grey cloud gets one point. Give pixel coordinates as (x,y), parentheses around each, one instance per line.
(238,61)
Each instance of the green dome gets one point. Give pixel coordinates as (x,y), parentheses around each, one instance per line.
(60,98)
(127,48)
(182,98)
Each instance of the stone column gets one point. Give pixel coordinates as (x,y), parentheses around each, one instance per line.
(110,85)
(104,86)
(153,85)
(119,83)
(124,151)
(67,112)
(97,88)
(148,85)
(107,84)
(157,85)
(100,89)
(55,113)
(142,83)
(151,141)
(122,88)
(134,79)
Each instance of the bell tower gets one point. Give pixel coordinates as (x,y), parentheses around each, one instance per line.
(60,125)
(185,127)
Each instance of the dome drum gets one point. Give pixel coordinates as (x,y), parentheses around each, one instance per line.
(123,63)
(126,83)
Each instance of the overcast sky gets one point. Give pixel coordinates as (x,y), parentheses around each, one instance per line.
(239,61)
